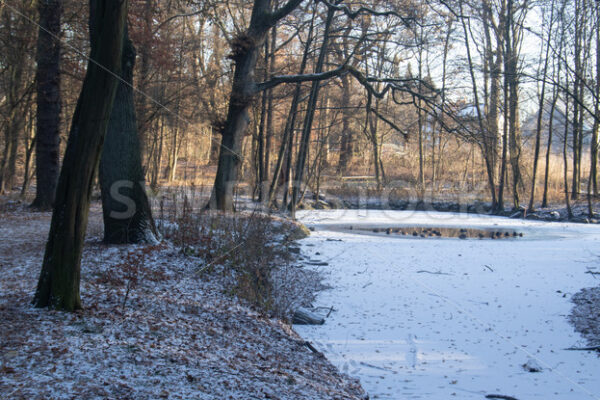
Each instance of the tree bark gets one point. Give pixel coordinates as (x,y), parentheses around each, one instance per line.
(58,285)
(48,103)
(347,140)
(125,206)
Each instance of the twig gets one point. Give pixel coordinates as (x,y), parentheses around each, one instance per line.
(432,273)
(312,348)
(126,296)
(488,267)
(374,366)
(499,396)
(330,311)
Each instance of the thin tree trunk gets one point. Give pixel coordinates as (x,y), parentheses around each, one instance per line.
(549,148)
(347,140)
(310,114)
(596,127)
(538,130)
(30,140)
(565,158)
(511,75)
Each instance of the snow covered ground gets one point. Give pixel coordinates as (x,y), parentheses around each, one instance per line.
(152,328)
(449,318)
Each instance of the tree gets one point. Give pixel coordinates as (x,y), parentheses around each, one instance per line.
(17,85)
(246,49)
(541,112)
(58,285)
(48,103)
(126,210)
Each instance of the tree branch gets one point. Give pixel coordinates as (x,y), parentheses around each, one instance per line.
(282,12)
(390,123)
(278,80)
(365,10)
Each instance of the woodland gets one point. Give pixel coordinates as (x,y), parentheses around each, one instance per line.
(207,126)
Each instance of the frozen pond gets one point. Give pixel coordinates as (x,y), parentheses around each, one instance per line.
(443,318)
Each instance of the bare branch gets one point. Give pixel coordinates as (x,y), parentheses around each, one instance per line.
(278,80)
(390,123)
(283,11)
(408,21)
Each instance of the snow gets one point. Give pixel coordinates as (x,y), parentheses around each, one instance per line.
(152,328)
(490,309)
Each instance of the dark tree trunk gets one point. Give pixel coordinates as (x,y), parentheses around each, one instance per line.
(125,206)
(565,158)
(58,285)
(48,103)
(549,148)
(261,164)
(347,141)
(8,166)
(246,49)
(14,126)
(596,127)
(283,173)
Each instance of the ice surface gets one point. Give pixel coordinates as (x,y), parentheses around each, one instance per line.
(465,330)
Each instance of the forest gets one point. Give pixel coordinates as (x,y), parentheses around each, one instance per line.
(174,170)
(493,99)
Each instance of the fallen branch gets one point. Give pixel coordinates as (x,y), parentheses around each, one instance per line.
(592,348)
(432,273)
(499,396)
(374,366)
(313,349)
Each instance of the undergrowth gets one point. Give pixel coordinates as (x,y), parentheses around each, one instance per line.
(253,253)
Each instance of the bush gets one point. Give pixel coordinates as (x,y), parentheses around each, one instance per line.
(251,253)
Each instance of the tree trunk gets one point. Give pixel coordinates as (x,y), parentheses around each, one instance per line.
(347,141)
(125,206)
(538,130)
(310,114)
(511,75)
(48,103)
(58,285)
(549,148)
(565,158)
(14,125)
(246,49)
(596,127)
(30,141)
